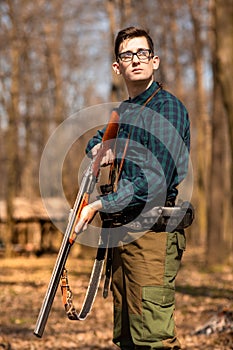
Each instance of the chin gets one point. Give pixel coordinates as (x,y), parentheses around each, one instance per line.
(140,79)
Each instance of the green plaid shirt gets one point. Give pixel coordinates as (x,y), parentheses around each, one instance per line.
(157,156)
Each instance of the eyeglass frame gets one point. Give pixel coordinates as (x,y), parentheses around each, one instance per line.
(136,53)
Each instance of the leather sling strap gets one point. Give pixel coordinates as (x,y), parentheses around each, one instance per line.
(118,173)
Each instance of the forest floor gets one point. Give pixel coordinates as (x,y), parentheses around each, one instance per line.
(201,294)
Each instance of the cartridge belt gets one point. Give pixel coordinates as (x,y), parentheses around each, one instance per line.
(157,219)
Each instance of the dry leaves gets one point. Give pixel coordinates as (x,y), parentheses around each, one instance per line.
(23,281)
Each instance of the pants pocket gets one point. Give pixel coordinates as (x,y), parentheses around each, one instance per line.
(158,312)
(181,240)
(174,253)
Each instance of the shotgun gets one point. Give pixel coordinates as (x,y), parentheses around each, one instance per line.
(89,179)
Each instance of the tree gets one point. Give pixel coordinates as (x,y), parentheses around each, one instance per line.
(56,59)
(220,204)
(201,121)
(123,8)
(13,121)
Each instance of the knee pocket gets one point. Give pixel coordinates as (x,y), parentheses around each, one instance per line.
(158,295)
(157,312)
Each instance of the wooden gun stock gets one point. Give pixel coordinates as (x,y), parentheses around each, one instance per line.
(108,137)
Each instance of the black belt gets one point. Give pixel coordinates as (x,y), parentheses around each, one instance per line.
(158,219)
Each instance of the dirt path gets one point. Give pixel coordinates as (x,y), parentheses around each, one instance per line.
(23,281)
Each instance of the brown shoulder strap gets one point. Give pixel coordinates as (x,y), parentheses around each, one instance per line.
(128,138)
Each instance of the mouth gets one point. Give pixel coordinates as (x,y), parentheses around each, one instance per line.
(137,70)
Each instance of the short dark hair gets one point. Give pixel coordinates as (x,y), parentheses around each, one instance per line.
(130,33)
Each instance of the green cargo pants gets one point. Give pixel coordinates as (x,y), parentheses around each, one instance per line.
(143,285)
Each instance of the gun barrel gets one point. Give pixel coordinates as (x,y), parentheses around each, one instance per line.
(52,289)
(66,245)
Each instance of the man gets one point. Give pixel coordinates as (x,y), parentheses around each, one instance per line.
(152,156)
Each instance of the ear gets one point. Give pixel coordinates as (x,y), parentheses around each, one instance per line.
(116,68)
(156,62)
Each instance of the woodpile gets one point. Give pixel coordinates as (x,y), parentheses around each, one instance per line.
(35,231)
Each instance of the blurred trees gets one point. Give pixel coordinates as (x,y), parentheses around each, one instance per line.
(219,238)
(56,59)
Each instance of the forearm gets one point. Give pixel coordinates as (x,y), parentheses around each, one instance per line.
(96,205)
(143,190)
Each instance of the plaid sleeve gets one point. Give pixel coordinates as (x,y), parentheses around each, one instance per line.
(94,141)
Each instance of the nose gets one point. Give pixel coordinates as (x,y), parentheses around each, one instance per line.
(135,57)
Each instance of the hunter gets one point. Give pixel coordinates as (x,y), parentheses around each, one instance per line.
(151,155)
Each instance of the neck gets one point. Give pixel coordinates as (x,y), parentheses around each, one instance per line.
(136,88)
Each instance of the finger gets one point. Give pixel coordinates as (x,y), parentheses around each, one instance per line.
(107,159)
(79,227)
(109,156)
(85,226)
(94,152)
(103,161)
(95,149)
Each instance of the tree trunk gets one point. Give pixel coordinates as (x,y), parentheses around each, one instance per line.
(224,69)
(202,126)
(175,52)
(219,234)
(12,133)
(117,92)
(53,35)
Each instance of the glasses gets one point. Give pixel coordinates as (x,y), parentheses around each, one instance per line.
(142,55)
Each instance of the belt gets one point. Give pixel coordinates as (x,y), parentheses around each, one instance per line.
(158,219)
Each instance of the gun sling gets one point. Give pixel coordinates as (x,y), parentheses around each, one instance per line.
(94,281)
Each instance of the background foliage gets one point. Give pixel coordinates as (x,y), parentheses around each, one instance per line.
(56,59)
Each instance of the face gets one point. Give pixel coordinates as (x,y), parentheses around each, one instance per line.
(136,70)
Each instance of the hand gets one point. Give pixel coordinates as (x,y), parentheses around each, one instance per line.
(87,215)
(95,149)
(107,159)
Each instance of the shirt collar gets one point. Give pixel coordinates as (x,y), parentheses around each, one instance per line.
(141,99)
